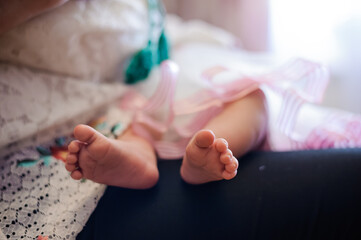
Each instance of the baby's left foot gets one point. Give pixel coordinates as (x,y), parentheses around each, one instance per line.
(208,159)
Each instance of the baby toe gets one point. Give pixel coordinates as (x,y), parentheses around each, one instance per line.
(233,166)
(221,145)
(229,175)
(226,157)
(204,138)
(70,167)
(72,158)
(74,146)
(76,175)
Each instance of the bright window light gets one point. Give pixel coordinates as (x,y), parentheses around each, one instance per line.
(308,28)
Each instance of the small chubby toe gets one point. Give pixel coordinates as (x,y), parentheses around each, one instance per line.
(229,175)
(72,158)
(74,146)
(85,133)
(70,167)
(226,158)
(76,175)
(204,138)
(233,166)
(221,145)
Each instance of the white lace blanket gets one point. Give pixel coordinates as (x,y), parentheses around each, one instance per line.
(35,105)
(37,196)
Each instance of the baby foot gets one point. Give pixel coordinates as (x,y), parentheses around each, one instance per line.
(208,159)
(128,162)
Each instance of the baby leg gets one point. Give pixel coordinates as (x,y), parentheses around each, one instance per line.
(242,123)
(128,162)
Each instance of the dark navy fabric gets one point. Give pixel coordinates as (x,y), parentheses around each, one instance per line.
(276,195)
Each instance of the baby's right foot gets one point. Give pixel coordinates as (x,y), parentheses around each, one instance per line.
(129,162)
(208,159)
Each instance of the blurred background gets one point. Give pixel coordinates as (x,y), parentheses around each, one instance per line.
(327,31)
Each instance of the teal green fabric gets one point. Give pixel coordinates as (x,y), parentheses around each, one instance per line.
(141,64)
(163,48)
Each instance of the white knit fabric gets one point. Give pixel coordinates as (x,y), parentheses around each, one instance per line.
(85,39)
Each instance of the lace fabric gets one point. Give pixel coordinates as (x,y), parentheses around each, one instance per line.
(43,200)
(38,106)
(37,195)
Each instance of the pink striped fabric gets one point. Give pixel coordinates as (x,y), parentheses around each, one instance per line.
(289,111)
(297,82)
(341,130)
